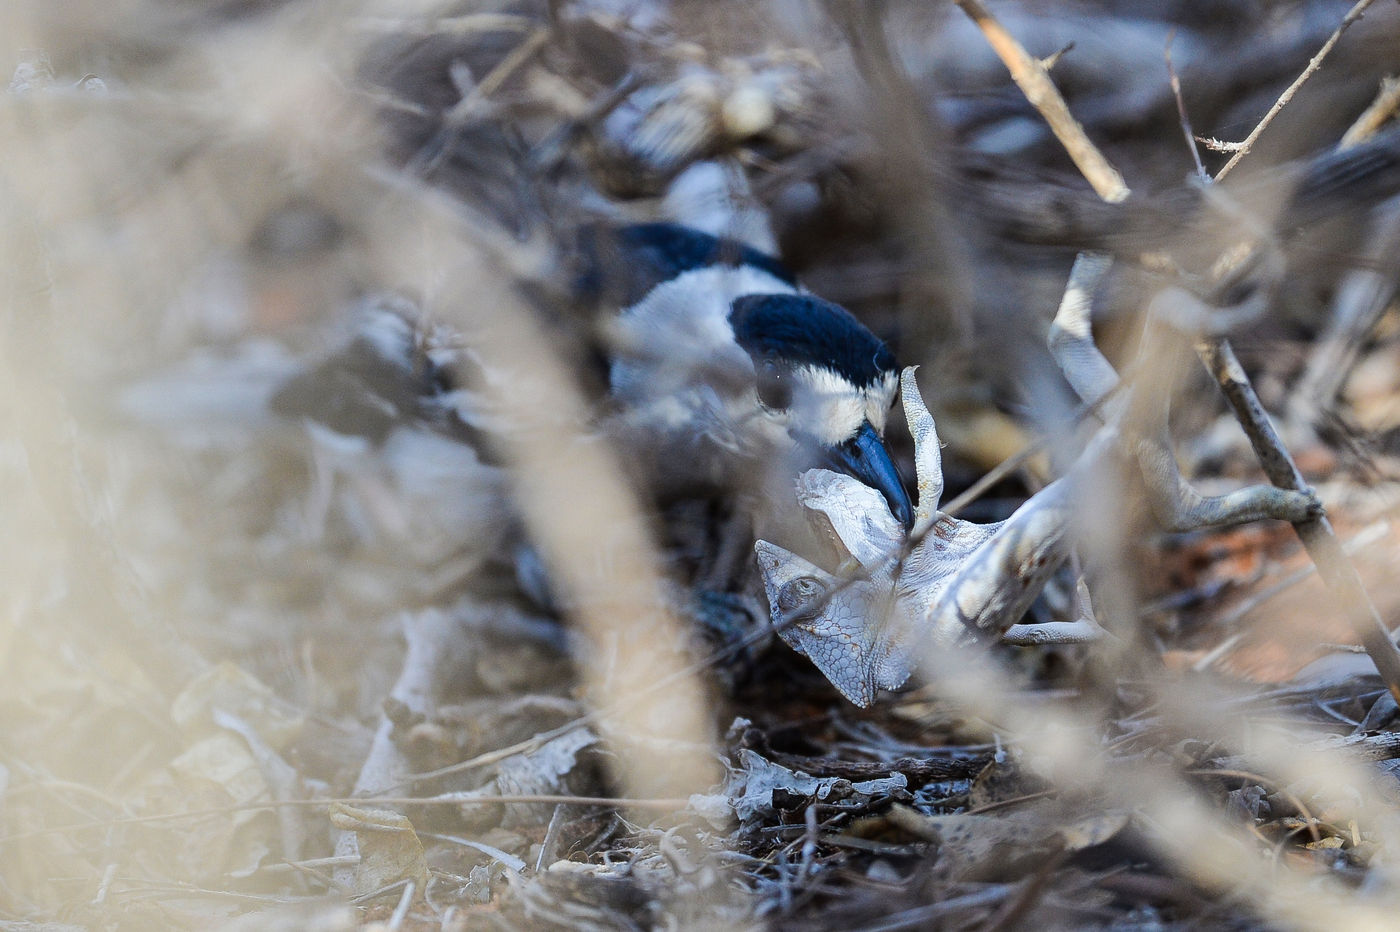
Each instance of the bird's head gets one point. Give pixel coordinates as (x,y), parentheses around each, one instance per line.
(827,381)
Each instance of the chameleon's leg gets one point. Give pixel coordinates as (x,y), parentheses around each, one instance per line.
(1174,502)
(1071,338)
(1052,632)
(1083,630)
(1000,579)
(1177,506)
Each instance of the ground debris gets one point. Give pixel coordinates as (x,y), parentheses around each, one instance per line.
(759,788)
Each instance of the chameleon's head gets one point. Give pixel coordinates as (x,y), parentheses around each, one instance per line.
(856,628)
(841,624)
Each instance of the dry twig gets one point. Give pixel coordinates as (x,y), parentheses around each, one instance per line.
(1243,148)
(1030,75)
(1175,80)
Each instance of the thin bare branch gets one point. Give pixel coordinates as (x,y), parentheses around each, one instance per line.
(1314,64)
(1175,80)
(1034,81)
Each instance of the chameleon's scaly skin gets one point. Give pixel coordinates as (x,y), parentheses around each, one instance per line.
(959,578)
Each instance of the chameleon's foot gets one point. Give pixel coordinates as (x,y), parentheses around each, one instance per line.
(1255,503)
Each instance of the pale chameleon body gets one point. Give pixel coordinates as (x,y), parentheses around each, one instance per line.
(959,581)
(959,578)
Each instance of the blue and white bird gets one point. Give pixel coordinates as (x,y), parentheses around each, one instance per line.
(724,369)
(725,376)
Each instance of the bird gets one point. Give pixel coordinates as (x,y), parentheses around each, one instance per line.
(724,376)
(722,367)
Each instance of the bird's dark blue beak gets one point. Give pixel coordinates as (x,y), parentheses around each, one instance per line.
(866,457)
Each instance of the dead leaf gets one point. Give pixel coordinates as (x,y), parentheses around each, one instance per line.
(220,767)
(980,847)
(1004,847)
(390,850)
(1093,829)
(229,687)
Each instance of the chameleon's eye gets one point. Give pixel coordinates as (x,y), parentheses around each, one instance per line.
(798,592)
(774,386)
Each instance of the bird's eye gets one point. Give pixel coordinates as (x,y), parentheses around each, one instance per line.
(774,386)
